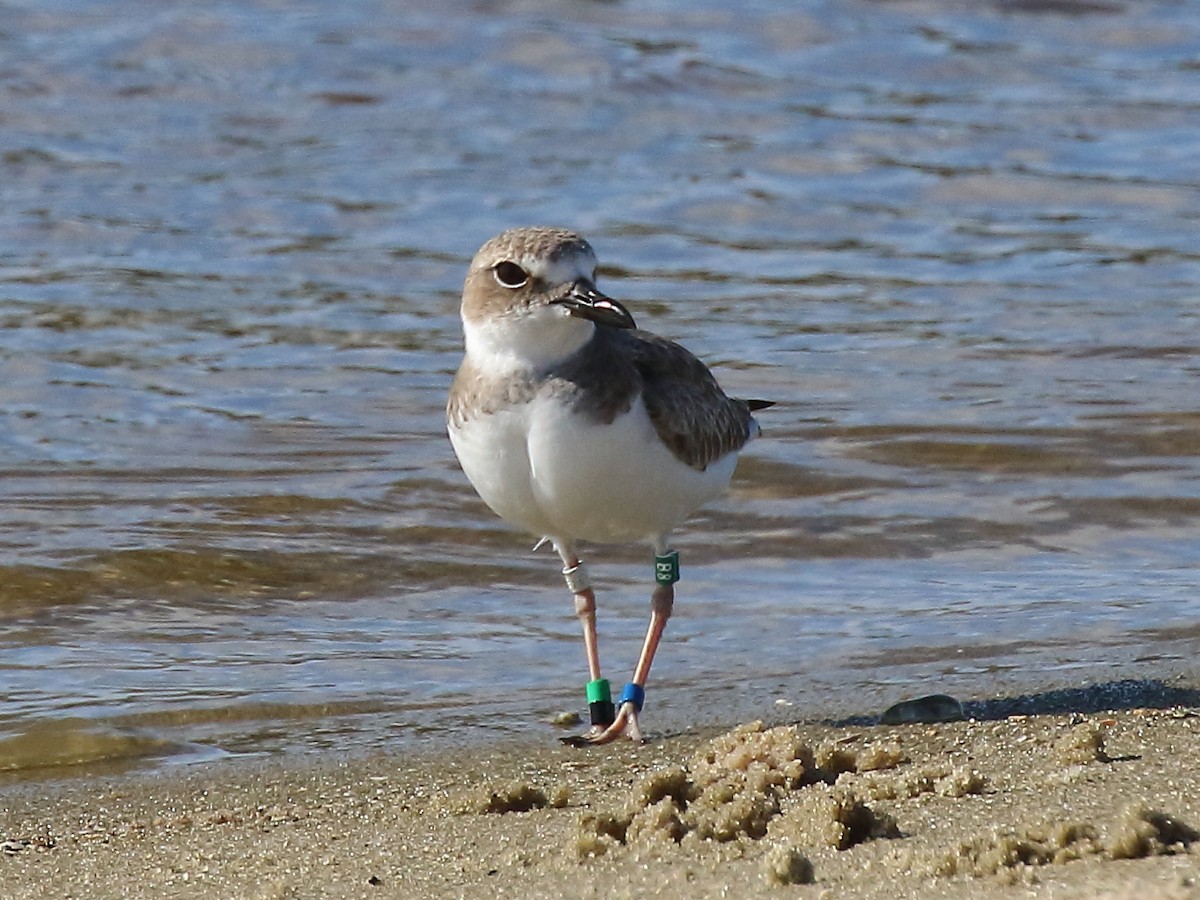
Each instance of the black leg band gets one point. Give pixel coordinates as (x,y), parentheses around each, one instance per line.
(603,712)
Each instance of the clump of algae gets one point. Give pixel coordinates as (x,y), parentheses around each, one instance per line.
(1006,849)
(1139,832)
(783,864)
(516,795)
(1081,745)
(742,786)
(1142,831)
(833,817)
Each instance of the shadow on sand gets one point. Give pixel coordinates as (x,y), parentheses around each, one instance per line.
(1110,695)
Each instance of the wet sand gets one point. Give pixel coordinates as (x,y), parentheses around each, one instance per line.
(1084,803)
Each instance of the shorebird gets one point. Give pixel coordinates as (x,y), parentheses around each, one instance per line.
(574,425)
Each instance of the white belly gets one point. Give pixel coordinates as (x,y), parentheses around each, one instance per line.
(493,451)
(560,475)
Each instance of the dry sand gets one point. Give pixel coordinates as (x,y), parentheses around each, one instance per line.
(1090,803)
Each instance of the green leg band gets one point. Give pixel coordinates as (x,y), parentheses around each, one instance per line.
(666,568)
(600,705)
(598,690)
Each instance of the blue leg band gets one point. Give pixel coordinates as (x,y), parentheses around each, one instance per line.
(633,693)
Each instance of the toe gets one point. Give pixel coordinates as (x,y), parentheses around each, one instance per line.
(625,725)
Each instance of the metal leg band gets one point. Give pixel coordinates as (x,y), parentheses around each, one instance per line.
(577,578)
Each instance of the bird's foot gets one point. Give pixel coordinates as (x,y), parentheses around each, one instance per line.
(625,725)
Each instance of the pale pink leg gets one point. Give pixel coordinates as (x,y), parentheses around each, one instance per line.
(626,724)
(585,603)
(585,609)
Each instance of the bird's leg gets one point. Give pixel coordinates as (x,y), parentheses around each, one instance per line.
(598,691)
(662,601)
(585,609)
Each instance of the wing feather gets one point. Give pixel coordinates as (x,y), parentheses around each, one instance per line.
(690,412)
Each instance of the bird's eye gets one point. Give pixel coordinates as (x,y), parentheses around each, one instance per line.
(510,275)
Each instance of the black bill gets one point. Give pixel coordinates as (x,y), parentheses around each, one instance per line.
(588,303)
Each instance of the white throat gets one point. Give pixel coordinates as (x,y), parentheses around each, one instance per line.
(533,341)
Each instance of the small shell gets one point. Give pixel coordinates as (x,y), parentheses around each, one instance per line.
(932,708)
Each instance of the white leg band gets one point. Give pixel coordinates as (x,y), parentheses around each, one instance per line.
(577,578)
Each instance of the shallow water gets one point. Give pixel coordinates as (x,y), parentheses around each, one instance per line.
(955,242)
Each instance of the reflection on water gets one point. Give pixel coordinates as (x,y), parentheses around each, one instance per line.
(956,244)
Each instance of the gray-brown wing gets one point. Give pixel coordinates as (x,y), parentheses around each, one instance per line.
(690,412)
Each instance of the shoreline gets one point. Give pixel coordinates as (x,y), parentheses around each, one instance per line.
(1059,802)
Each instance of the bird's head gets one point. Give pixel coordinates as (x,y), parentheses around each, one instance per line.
(533,292)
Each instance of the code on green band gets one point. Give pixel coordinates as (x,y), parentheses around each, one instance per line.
(666,567)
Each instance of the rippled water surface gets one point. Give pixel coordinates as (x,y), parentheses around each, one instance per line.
(955,241)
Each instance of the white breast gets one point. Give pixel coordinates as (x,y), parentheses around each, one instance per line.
(556,473)
(493,450)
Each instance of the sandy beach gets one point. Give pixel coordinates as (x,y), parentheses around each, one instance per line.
(1091,803)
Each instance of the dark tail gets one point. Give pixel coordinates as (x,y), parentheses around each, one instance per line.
(756,405)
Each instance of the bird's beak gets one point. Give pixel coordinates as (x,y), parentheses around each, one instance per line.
(585,301)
